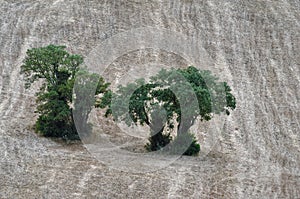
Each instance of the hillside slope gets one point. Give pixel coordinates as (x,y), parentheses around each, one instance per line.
(254,45)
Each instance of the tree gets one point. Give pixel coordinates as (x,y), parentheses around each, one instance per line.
(172,96)
(58,70)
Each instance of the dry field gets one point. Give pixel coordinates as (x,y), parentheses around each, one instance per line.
(254,45)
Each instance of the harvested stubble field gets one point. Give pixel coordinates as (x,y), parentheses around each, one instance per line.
(255,47)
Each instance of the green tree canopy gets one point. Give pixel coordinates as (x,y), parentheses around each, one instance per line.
(176,95)
(58,70)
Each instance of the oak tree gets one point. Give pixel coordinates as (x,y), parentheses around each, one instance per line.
(175,96)
(57,69)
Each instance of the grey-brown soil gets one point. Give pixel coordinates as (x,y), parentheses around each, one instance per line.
(255,46)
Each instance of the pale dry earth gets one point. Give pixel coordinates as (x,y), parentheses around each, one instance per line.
(254,46)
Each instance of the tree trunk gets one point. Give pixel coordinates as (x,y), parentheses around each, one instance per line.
(183,128)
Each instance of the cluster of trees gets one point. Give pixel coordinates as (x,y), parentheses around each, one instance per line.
(171,100)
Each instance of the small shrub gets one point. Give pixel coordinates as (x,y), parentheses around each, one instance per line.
(158,141)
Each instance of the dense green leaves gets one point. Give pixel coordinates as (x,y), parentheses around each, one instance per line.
(48,63)
(172,96)
(58,70)
(185,143)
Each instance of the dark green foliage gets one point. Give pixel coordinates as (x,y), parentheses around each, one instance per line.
(176,95)
(185,144)
(55,117)
(57,68)
(158,141)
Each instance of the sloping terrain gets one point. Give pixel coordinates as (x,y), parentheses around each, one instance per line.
(254,46)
